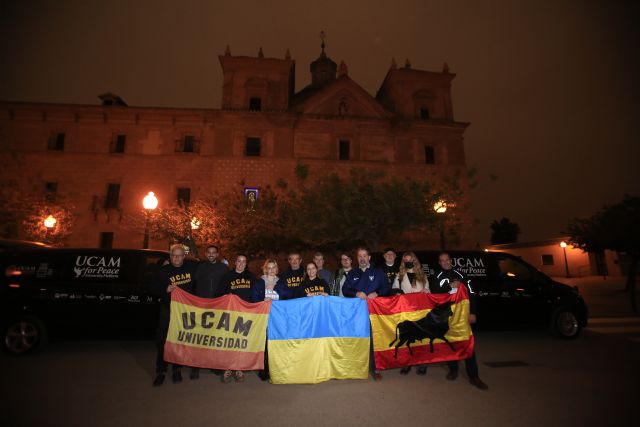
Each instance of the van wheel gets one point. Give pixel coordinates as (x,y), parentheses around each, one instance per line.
(24,335)
(564,323)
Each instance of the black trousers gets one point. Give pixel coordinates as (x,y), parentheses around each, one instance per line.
(470,364)
(161,338)
(372,359)
(266,358)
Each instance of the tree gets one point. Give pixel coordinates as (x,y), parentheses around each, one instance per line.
(22,215)
(504,231)
(228,219)
(33,221)
(364,209)
(329,214)
(616,228)
(191,224)
(255,229)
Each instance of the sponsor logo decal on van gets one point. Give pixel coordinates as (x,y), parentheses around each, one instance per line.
(44,270)
(470,267)
(97,267)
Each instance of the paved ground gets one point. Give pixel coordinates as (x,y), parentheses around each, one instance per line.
(588,381)
(605,297)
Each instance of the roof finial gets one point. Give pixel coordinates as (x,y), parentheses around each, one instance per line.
(445,68)
(287,55)
(394,64)
(227,51)
(407,63)
(323,35)
(260,53)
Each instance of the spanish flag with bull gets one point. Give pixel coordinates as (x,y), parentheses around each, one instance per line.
(419,328)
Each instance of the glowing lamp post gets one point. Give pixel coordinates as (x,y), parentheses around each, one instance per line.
(50,222)
(440,207)
(150,202)
(195,223)
(563,245)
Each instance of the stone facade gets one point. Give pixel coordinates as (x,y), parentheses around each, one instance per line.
(261,132)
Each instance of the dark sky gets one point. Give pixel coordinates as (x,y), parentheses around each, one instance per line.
(550,86)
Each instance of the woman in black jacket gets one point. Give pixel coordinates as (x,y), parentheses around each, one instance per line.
(312,284)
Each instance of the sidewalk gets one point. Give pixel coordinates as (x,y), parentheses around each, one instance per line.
(604,297)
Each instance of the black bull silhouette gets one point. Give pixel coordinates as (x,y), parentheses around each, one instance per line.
(434,325)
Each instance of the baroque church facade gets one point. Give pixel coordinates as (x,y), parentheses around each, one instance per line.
(105,158)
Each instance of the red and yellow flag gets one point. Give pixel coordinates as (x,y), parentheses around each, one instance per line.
(221,333)
(386,313)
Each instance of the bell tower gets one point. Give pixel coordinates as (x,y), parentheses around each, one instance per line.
(257,83)
(323,70)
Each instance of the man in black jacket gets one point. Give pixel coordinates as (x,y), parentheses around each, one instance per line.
(390,266)
(177,273)
(209,276)
(291,278)
(447,281)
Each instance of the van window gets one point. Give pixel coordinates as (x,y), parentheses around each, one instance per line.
(511,269)
(151,263)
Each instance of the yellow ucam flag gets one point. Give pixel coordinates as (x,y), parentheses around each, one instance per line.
(317,339)
(220,333)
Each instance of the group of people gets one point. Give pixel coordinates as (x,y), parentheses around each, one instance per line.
(212,278)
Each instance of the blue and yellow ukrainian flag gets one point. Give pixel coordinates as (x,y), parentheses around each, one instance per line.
(317,339)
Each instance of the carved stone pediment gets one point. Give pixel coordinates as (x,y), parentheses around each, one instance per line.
(341,98)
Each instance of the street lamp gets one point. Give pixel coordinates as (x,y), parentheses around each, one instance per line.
(195,223)
(563,245)
(440,207)
(50,222)
(150,202)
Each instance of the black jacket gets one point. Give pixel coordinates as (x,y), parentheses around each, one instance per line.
(391,271)
(287,283)
(240,284)
(442,285)
(183,276)
(209,279)
(311,287)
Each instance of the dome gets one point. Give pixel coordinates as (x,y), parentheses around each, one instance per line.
(323,70)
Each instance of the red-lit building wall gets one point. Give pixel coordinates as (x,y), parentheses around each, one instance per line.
(308,131)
